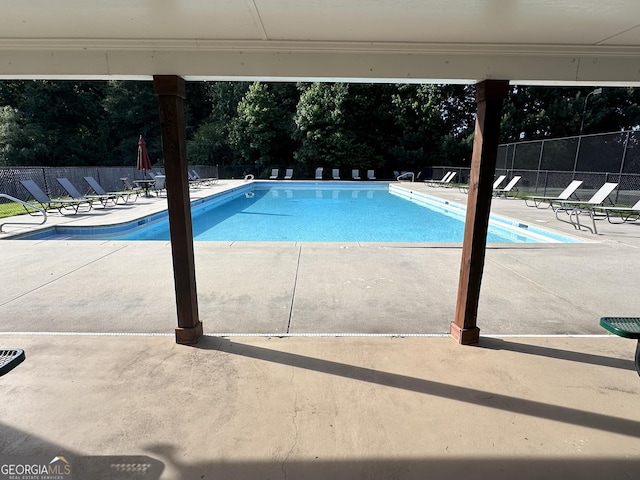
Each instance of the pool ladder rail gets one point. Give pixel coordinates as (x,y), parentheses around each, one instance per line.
(25,205)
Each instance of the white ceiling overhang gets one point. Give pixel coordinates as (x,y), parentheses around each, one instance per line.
(525,41)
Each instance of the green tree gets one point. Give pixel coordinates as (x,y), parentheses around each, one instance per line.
(131,110)
(261,131)
(210,144)
(20,143)
(343,125)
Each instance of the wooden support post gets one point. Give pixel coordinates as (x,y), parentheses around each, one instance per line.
(489,96)
(170,90)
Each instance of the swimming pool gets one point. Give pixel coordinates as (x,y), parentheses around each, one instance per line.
(315,212)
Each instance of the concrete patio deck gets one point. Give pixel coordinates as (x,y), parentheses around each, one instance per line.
(546,394)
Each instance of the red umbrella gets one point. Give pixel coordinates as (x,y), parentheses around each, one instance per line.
(143,162)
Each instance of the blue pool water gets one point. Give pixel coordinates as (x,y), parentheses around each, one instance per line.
(316,212)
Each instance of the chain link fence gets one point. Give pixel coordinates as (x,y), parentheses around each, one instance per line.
(45,177)
(548,166)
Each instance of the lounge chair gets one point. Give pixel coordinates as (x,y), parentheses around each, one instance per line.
(496,184)
(274,174)
(371,175)
(319,173)
(193,180)
(444,182)
(600,212)
(159,184)
(335,174)
(510,188)
(626,214)
(434,182)
(125,195)
(204,181)
(564,195)
(288,174)
(498,181)
(355,174)
(59,204)
(73,192)
(130,186)
(576,207)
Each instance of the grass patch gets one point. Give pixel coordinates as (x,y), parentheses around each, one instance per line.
(10,209)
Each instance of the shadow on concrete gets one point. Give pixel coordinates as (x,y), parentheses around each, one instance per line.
(20,447)
(500,344)
(432,468)
(472,396)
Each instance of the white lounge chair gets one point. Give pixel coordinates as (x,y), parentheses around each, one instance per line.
(288,174)
(319,173)
(508,189)
(498,181)
(564,195)
(446,178)
(576,207)
(355,174)
(274,174)
(335,174)
(626,214)
(371,175)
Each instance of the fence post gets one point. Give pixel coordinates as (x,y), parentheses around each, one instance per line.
(575,162)
(539,164)
(624,158)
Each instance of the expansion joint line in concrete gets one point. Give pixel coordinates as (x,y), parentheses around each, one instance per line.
(293,292)
(61,276)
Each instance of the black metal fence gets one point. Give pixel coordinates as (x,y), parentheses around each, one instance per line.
(548,166)
(45,177)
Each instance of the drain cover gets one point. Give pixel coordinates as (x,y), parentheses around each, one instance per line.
(9,359)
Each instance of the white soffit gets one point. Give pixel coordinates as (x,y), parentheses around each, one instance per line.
(526,41)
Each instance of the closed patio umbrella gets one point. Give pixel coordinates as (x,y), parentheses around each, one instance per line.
(143,162)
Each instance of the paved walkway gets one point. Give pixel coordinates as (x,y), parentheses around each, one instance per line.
(112,391)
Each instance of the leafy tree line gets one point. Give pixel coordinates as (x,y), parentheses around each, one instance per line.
(349,125)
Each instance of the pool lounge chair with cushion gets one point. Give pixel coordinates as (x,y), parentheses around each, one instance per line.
(335,174)
(288,174)
(125,195)
(319,173)
(546,201)
(574,208)
(59,204)
(510,188)
(371,175)
(355,174)
(73,192)
(274,173)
